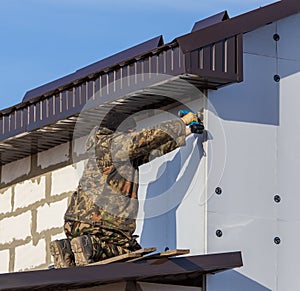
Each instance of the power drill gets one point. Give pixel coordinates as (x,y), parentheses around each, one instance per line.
(195,126)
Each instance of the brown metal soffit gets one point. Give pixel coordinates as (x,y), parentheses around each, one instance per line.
(177,271)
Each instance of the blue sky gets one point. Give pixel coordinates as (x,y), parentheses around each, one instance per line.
(42,40)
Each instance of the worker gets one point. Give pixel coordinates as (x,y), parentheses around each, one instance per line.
(100,220)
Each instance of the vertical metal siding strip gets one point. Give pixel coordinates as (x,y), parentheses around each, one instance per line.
(19,121)
(3,124)
(169,62)
(231,55)
(90,89)
(107,83)
(13,121)
(213,57)
(110,82)
(63,101)
(155,64)
(207,58)
(165,62)
(181,58)
(46,108)
(115,81)
(97,86)
(239,57)
(188,62)
(135,72)
(105,89)
(100,85)
(146,68)
(9,123)
(41,109)
(226,56)
(150,66)
(77,96)
(131,74)
(69,99)
(128,75)
(160,63)
(59,103)
(121,77)
(194,61)
(83,93)
(175,60)
(201,61)
(28,115)
(86,92)
(37,112)
(219,57)
(142,63)
(23,116)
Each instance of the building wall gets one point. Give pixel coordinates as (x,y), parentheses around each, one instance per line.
(261,132)
(32,207)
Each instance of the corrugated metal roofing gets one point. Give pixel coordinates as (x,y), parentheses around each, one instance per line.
(210,21)
(109,62)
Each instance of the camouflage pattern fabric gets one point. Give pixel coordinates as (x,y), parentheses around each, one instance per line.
(106,243)
(106,198)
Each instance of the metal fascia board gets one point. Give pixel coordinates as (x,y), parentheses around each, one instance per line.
(240,24)
(117,272)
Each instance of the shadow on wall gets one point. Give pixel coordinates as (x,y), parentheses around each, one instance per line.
(232,280)
(164,195)
(256,99)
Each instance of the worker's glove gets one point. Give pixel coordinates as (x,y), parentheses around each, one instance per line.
(189,118)
(197,127)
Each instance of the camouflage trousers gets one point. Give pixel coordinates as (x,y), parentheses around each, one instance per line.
(107,243)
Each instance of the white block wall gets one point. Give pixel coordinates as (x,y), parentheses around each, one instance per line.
(32,209)
(34,189)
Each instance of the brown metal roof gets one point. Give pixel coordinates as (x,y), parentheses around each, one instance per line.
(102,65)
(239,24)
(182,270)
(210,20)
(133,79)
(209,58)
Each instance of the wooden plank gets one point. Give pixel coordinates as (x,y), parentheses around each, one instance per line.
(125,257)
(145,251)
(166,254)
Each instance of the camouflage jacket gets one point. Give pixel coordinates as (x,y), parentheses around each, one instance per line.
(107,191)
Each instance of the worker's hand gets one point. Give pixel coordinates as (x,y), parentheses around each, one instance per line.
(189,118)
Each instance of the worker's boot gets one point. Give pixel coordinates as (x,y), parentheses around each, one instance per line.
(82,248)
(62,253)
